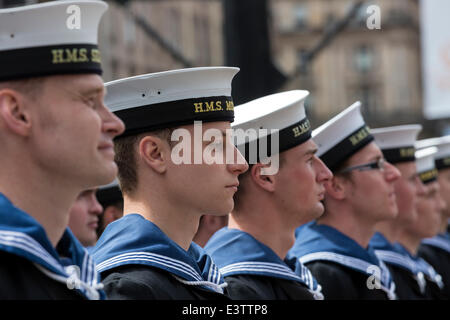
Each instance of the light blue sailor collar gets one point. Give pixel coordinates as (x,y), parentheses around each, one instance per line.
(69,263)
(134,240)
(388,253)
(441,241)
(318,242)
(237,252)
(419,267)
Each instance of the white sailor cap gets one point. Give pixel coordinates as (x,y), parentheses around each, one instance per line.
(172,98)
(342,136)
(58,37)
(442,156)
(282,114)
(397,143)
(426,168)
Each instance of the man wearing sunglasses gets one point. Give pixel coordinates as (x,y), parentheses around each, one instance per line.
(360,195)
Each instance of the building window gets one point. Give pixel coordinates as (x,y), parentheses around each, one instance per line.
(201,27)
(300,13)
(129,31)
(368,97)
(363,59)
(303,65)
(173,28)
(114,68)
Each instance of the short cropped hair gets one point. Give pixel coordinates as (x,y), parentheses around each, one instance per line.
(29,86)
(126,157)
(239,196)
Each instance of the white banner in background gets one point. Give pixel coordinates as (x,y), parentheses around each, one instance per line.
(435,38)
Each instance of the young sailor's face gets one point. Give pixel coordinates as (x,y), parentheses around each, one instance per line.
(209,185)
(74,130)
(429,210)
(444,184)
(83,217)
(371,192)
(407,188)
(300,183)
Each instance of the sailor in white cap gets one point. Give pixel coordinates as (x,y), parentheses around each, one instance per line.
(149,253)
(436,250)
(250,252)
(429,206)
(442,162)
(84,217)
(361,194)
(110,197)
(397,145)
(56,137)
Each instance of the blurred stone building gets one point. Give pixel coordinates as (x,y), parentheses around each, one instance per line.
(146,36)
(174,34)
(381,68)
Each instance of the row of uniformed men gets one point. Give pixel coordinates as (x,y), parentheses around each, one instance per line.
(57,140)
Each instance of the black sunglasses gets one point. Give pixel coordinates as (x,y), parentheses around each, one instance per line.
(379,164)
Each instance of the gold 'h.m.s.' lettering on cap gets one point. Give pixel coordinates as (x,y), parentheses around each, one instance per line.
(428,175)
(301,128)
(407,152)
(230,105)
(211,106)
(75,55)
(446,161)
(95,56)
(359,136)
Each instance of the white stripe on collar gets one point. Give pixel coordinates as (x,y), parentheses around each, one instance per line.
(213,274)
(87,281)
(396,258)
(260,267)
(89,272)
(353,263)
(26,243)
(167,263)
(213,286)
(406,262)
(153,258)
(73,282)
(438,242)
(273,269)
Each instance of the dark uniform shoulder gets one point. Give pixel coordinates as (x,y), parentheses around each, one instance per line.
(129,284)
(241,287)
(342,283)
(406,287)
(136,282)
(21,280)
(439,259)
(254,287)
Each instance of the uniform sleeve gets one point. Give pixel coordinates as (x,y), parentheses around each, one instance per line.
(241,288)
(429,255)
(121,287)
(336,283)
